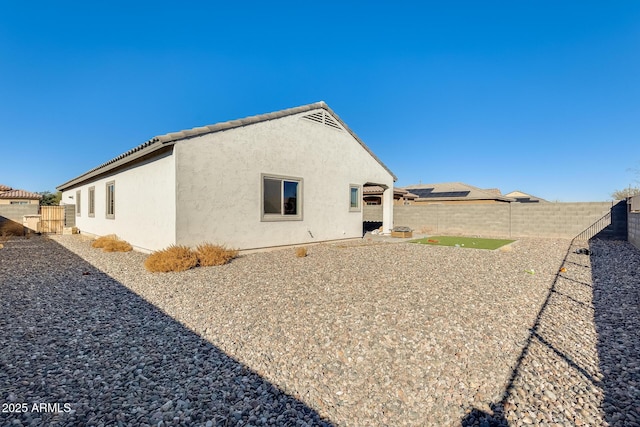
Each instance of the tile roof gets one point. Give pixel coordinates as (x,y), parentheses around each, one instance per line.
(495,191)
(454,191)
(376,189)
(372,189)
(19,194)
(168,139)
(5,187)
(526,197)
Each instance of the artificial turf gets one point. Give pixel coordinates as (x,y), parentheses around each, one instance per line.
(465,242)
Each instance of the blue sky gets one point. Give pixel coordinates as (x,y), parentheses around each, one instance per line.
(539,96)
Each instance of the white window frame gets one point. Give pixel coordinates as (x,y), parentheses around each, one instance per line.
(91,210)
(281,216)
(110,213)
(358,206)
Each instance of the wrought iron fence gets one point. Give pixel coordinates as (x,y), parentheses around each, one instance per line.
(595,228)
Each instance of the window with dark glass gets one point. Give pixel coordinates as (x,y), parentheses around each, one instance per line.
(281,198)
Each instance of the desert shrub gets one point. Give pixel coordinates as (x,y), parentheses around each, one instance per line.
(209,254)
(111,243)
(11,228)
(173,258)
(100,242)
(301,252)
(117,246)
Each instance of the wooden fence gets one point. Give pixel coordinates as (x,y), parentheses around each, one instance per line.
(51,219)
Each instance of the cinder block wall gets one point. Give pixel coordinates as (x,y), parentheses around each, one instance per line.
(506,220)
(372,213)
(16,212)
(476,219)
(555,219)
(634,228)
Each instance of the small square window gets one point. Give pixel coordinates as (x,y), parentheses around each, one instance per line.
(354,198)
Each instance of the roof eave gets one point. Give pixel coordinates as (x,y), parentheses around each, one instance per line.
(132,155)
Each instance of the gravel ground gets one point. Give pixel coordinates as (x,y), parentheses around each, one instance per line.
(370,333)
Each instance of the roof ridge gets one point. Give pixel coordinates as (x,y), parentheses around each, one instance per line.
(17,193)
(170,138)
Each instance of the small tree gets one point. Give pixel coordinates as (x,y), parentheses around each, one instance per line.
(627,192)
(50,199)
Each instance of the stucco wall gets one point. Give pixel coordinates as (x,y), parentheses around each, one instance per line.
(514,219)
(219,183)
(144,204)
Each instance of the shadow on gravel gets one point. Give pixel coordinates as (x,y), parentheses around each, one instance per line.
(616,299)
(496,416)
(556,378)
(85,350)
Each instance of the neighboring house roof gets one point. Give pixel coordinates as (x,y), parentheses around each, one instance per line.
(448,191)
(20,194)
(5,187)
(161,141)
(523,197)
(377,190)
(372,189)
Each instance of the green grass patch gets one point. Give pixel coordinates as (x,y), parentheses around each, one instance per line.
(464,242)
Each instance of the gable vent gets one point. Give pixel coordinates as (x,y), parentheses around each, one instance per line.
(324,118)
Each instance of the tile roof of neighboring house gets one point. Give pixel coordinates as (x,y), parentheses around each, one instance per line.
(5,187)
(372,189)
(455,191)
(376,189)
(521,196)
(19,194)
(410,195)
(168,139)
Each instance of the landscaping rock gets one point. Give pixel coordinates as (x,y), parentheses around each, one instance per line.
(359,334)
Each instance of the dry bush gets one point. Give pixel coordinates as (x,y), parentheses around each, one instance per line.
(209,254)
(173,258)
(301,252)
(100,242)
(11,228)
(111,243)
(117,246)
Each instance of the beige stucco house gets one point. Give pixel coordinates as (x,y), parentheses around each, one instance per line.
(291,177)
